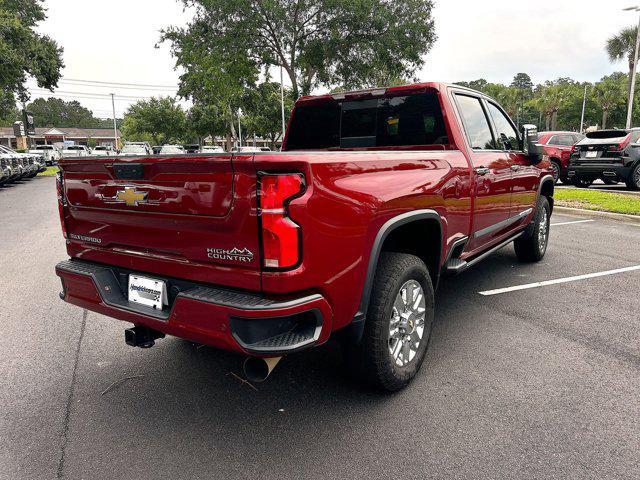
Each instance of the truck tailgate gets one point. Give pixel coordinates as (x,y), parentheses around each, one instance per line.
(192,217)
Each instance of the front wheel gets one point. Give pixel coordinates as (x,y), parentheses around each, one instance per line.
(532,244)
(555,166)
(398,324)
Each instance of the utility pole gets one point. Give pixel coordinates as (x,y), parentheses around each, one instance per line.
(239,131)
(584,104)
(282,105)
(633,73)
(115,125)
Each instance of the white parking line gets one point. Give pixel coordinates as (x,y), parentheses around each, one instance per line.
(571,223)
(559,280)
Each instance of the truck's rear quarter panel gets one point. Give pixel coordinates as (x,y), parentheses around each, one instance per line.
(349,196)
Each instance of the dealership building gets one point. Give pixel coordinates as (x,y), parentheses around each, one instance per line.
(70,135)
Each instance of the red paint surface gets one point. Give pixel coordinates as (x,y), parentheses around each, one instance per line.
(201,202)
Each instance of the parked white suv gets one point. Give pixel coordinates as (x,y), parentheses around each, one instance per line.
(172,150)
(211,149)
(136,148)
(102,151)
(76,151)
(50,153)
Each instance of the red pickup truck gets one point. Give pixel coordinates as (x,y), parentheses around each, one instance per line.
(375,196)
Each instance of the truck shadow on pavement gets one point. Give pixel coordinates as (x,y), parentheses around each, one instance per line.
(182,401)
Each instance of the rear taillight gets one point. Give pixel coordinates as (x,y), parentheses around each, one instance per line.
(61,201)
(280,234)
(621,146)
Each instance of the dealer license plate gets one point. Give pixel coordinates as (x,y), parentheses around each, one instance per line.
(147,291)
(591,154)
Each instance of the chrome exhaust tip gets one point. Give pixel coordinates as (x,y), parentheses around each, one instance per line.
(258,369)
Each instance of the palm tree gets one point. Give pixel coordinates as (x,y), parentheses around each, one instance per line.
(548,100)
(621,46)
(606,94)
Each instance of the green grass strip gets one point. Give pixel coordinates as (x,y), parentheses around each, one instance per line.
(594,200)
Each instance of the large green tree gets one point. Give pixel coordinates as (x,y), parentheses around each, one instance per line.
(263,112)
(317,42)
(25,53)
(206,120)
(55,112)
(159,120)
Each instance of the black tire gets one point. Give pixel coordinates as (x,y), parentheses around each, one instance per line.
(566,181)
(633,182)
(371,360)
(555,166)
(582,182)
(532,245)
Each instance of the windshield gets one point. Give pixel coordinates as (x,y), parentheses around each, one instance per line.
(72,147)
(134,149)
(43,147)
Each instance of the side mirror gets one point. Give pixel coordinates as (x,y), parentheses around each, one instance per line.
(530,145)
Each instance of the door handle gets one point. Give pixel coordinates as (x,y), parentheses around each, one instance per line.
(515,168)
(482,170)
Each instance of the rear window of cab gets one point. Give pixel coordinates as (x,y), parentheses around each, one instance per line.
(412,120)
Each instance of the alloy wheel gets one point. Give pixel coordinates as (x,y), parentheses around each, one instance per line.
(406,327)
(543,232)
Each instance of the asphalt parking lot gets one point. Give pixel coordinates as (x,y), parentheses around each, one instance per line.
(536,383)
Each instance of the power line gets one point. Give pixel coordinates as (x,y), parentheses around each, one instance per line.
(100,82)
(115,87)
(67,93)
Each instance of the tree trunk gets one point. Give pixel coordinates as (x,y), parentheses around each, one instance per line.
(547,120)
(629,79)
(228,135)
(605,114)
(554,120)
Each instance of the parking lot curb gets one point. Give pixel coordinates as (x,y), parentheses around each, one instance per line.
(580,212)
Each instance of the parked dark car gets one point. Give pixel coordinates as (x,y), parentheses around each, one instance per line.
(611,155)
(558,147)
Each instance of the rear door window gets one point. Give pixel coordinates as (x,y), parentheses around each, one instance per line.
(476,123)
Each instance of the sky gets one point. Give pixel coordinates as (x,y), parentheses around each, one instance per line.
(115,41)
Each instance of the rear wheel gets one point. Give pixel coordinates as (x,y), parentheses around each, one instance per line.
(633,182)
(398,325)
(532,245)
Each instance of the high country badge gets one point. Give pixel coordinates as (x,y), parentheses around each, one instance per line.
(243,255)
